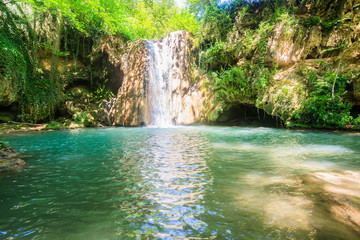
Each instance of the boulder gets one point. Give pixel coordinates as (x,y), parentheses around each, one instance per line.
(9,160)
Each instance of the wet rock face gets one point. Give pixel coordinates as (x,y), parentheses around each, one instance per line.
(129,106)
(9,160)
(134,105)
(186,98)
(8,96)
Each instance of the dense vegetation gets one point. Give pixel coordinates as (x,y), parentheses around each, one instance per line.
(237,66)
(27,25)
(241,74)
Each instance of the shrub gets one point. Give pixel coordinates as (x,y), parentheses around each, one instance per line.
(320,109)
(54,125)
(219,56)
(241,84)
(3,145)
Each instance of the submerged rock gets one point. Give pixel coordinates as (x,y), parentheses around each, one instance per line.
(338,193)
(9,160)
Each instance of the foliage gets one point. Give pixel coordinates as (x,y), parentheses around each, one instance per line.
(101,93)
(233,85)
(38,97)
(319,109)
(133,19)
(87,104)
(219,56)
(282,101)
(183,20)
(341,47)
(198,7)
(330,24)
(54,125)
(316,21)
(312,21)
(217,23)
(155,19)
(84,118)
(3,144)
(13,65)
(288,21)
(241,84)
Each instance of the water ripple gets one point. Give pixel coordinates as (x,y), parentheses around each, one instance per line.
(175,183)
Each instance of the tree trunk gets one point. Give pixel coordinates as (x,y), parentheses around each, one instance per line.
(56,48)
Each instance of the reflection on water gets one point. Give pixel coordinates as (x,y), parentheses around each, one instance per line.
(175,175)
(173,183)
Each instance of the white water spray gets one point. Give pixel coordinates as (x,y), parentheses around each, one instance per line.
(159,96)
(164,79)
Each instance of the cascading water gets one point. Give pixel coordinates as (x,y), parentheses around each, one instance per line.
(159,93)
(157,88)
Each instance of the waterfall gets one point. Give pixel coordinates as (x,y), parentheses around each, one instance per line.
(159,95)
(160,65)
(157,87)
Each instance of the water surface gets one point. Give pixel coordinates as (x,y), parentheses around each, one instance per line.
(172,183)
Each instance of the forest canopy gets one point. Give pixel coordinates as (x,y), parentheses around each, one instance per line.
(134,19)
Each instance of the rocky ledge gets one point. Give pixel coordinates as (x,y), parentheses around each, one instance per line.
(9,160)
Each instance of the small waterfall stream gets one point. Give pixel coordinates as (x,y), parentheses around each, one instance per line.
(164,78)
(159,94)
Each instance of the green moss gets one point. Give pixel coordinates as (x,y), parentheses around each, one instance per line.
(316,21)
(3,144)
(312,21)
(5,118)
(54,125)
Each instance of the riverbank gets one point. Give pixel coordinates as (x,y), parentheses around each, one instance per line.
(20,127)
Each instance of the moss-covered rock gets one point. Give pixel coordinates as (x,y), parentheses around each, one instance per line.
(9,160)
(298,38)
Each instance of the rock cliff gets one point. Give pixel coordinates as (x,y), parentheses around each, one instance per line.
(304,41)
